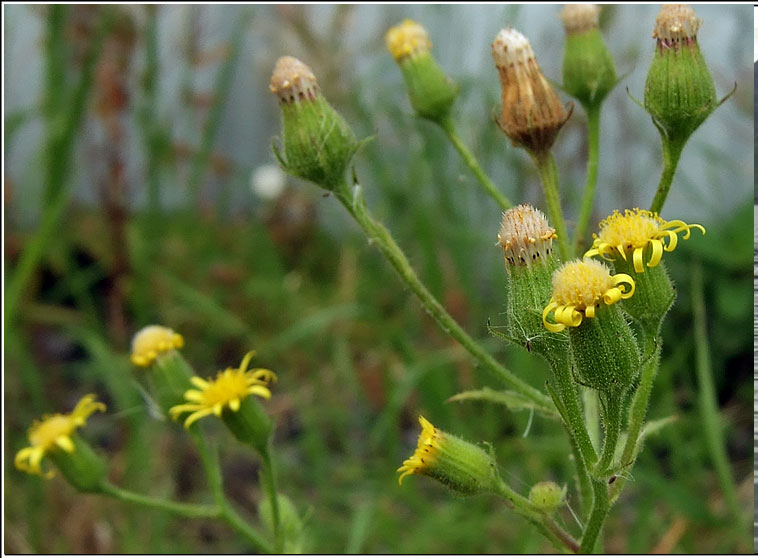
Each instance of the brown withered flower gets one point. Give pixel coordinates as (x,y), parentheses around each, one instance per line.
(532,114)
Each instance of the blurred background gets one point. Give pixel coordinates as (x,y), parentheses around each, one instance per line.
(140,187)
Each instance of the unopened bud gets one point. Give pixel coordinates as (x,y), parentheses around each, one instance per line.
(547,496)
(318,143)
(588,70)
(431,92)
(679,91)
(532,114)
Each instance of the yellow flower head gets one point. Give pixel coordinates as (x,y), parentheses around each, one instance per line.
(54,432)
(633,232)
(152,341)
(229,388)
(579,287)
(409,39)
(425,454)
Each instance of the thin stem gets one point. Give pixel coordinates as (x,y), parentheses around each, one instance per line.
(612,421)
(269,483)
(707,402)
(356,206)
(588,199)
(549,175)
(638,409)
(212,469)
(192,511)
(672,150)
(448,125)
(600,507)
(583,476)
(546,524)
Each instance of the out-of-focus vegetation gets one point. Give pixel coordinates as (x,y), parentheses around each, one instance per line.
(128,202)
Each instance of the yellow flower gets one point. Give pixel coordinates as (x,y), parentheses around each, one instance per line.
(633,232)
(229,388)
(579,287)
(425,454)
(408,39)
(54,432)
(152,341)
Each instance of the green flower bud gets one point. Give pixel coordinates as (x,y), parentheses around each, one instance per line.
(155,347)
(527,242)
(431,92)
(318,143)
(82,468)
(679,91)
(291,524)
(588,70)
(532,114)
(547,496)
(605,352)
(635,243)
(461,466)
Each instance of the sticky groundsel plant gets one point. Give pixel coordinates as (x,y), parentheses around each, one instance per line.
(593,314)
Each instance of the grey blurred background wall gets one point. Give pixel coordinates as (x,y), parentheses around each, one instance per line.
(344,45)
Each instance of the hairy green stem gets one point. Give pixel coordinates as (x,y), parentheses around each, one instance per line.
(380,236)
(612,417)
(448,125)
(600,507)
(269,482)
(549,176)
(638,409)
(192,511)
(588,199)
(672,150)
(707,401)
(212,469)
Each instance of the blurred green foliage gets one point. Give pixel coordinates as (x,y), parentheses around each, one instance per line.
(292,278)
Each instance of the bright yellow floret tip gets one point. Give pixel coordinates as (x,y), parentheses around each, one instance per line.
(579,287)
(152,341)
(228,390)
(54,432)
(407,39)
(428,444)
(631,233)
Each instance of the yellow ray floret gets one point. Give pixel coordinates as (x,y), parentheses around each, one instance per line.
(423,457)
(579,287)
(152,341)
(229,388)
(54,432)
(631,233)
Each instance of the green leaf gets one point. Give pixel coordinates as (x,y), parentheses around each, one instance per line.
(511,399)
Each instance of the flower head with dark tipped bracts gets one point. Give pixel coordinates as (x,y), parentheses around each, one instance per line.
(525,236)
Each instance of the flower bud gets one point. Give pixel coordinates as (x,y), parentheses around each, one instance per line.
(606,355)
(588,70)
(155,347)
(430,91)
(532,114)
(318,143)
(679,91)
(526,238)
(547,496)
(635,242)
(463,467)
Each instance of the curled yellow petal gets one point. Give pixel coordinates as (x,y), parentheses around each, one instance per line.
(638,267)
(655,257)
(620,281)
(555,328)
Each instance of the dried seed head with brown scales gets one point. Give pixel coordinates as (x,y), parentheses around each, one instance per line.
(293,80)
(532,114)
